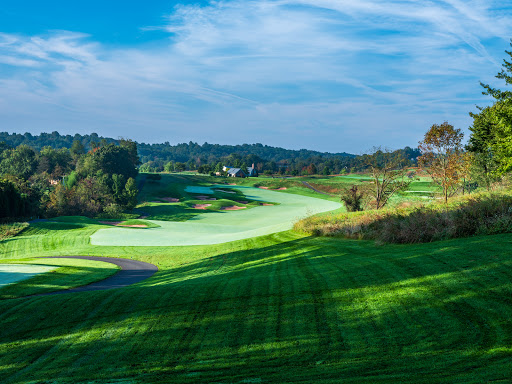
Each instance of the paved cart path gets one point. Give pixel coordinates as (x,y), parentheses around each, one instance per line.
(131,272)
(306,184)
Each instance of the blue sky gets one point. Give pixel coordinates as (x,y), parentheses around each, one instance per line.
(330,75)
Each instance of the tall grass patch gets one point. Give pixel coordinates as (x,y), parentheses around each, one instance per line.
(11,229)
(479,214)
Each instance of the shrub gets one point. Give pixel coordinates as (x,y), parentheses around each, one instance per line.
(479,214)
(353,199)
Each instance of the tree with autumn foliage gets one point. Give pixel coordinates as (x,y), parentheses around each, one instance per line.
(442,157)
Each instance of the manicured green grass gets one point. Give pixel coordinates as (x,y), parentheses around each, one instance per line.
(282,308)
(186,188)
(221,226)
(146,223)
(66,273)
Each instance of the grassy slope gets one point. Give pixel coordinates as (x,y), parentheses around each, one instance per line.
(280,308)
(71,273)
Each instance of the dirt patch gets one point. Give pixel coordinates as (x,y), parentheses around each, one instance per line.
(232,208)
(205,198)
(201,206)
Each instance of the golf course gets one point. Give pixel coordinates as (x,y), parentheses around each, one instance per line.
(239,297)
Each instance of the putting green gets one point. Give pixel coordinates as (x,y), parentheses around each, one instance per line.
(221,227)
(12,273)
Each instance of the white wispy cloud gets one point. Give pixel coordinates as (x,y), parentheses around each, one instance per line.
(330,71)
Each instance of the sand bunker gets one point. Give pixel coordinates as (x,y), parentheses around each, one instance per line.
(205,198)
(119,224)
(281,189)
(267,204)
(170,199)
(263,187)
(110,222)
(201,206)
(232,208)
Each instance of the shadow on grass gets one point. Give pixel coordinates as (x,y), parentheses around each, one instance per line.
(309,309)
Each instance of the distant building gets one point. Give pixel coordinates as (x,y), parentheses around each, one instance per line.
(238,172)
(251,171)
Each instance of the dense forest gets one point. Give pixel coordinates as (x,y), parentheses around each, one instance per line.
(210,157)
(54,182)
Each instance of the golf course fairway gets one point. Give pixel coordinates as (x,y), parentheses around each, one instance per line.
(220,227)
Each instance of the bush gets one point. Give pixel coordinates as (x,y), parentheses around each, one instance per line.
(353,199)
(480,214)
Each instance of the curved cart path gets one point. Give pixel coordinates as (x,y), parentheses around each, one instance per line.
(131,272)
(306,184)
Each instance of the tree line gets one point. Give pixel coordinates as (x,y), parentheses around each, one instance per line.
(54,182)
(205,158)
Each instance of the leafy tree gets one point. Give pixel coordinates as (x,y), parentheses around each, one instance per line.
(131,147)
(482,144)
(20,162)
(441,157)
(388,171)
(12,203)
(491,136)
(118,184)
(77,149)
(131,192)
(92,194)
(169,167)
(112,159)
(179,167)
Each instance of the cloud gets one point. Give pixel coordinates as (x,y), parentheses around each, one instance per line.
(301,73)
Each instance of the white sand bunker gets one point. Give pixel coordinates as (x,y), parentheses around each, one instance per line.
(201,206)
(12,273)
(232,208)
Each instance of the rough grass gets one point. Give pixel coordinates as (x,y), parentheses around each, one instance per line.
(283,308)
(477,214)
(11,229)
